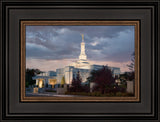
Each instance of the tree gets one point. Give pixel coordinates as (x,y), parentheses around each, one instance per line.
(131,66)
(91,78)
(62,81)
(76,83)
(29,74)
(103,79)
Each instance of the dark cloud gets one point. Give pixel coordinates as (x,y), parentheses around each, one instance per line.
(105,43)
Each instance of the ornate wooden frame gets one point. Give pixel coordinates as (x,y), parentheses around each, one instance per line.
(78,99)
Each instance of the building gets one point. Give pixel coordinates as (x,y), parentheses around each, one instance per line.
(68,72)
(83,66)
(46,79)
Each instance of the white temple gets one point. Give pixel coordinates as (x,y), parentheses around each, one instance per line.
(81,65)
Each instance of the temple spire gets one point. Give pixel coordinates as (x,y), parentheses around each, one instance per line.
(82,54)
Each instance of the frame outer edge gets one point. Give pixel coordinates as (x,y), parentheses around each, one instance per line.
(158,64)
(1,61)
(79,1)
(158,60)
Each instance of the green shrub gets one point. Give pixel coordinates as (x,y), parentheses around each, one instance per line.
(27,84)
(89,94)
(118,94)
(98,94)
(93,93)
(112,94)
(130,94)
(66,92)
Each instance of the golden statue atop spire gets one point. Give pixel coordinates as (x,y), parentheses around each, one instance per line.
(82,37)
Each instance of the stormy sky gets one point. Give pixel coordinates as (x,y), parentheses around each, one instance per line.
(52,47)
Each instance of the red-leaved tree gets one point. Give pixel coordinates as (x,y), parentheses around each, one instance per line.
(76,83)
(103,79)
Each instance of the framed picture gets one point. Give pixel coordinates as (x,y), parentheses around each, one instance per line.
(68,79)
(82,60)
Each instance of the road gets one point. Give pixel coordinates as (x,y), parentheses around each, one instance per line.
(50,94)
